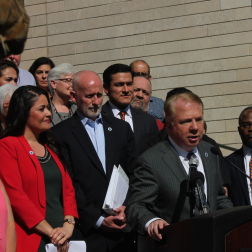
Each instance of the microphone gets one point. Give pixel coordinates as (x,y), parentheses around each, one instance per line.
(215,151)
(196,183)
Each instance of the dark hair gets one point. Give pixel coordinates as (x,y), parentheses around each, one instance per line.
(6,64)
(40,61)
(241,116)
(114,69)
(178,90)
(20,104)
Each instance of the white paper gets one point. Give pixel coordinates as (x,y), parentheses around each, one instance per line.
(117,190)
(74,246)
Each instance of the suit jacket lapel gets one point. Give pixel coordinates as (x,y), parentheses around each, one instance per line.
(171,158)
(37,166)
(239,162)
(207,162)
(82,137)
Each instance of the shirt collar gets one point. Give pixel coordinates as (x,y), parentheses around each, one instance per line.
(116,110)
(246,150)
(84,119)
(180,150)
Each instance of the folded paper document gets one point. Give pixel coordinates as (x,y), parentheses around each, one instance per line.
(117,190)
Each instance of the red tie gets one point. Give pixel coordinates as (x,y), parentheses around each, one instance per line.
(122,115)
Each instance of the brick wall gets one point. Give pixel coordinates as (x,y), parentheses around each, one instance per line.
(204,45)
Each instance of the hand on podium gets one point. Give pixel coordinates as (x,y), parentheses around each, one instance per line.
(155,227)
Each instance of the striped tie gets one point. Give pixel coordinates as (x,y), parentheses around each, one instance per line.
(122,115)
(250,171)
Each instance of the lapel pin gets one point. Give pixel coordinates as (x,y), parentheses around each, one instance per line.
(206,154)
(31,152)
(109,129)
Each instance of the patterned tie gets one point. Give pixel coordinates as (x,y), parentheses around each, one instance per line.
(122,115)
(250,171)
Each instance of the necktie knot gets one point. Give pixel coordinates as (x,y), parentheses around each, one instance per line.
(122,115)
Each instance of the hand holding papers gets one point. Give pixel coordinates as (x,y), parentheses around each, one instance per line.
(117,190)
(74,246)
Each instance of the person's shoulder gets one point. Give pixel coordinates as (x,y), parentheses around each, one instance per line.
(25,78)
(64,125)
(143,114)
(157,149)
(157,100)
(235,154)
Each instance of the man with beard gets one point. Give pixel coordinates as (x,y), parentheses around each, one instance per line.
(91,144)
(238,165)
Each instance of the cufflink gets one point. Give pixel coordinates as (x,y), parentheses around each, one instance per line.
(206,154)
(109,129)
(31,152)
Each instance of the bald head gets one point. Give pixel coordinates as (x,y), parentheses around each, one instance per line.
(88,89)
(140,68)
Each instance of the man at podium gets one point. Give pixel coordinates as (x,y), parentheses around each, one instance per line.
(179,177)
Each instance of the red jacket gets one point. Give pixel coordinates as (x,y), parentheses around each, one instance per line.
(23,178)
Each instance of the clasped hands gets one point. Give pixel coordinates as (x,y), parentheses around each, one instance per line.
(117,221)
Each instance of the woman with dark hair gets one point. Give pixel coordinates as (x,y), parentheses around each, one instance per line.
(40,190)
(40,69)
(8,73)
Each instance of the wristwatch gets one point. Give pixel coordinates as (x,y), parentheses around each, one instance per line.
(70,221)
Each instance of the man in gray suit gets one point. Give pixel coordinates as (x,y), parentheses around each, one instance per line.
(160,191)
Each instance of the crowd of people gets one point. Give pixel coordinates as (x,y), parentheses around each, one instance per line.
(59,143)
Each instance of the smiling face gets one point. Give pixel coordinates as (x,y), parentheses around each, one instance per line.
(39,118)
(245,127)
(41,75)
(8,76)
(186,126)
(120,90)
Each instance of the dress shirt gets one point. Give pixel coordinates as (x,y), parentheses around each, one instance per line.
(247,156)
(185,162)
(128,115)
(96,135)
(25,78)
(156,108)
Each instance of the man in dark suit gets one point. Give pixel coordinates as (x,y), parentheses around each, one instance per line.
(237,165)
(159,186)
(118,85)
(91,144)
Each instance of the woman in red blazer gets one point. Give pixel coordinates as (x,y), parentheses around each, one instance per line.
(40,190)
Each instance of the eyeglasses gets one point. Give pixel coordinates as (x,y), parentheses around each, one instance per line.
(137,74)
(66,80)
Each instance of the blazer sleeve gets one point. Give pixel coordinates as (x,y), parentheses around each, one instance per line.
(23,208)
(142,195)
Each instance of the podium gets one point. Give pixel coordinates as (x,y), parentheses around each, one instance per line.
(227,230)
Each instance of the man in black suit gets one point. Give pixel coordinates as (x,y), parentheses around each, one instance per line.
(91,144)
(160,192)
(118,85)
(237,165)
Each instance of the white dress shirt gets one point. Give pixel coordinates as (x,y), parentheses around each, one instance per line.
(247,156)
(128,115)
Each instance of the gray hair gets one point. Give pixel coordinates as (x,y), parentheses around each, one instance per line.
(6,90)
(57,72)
